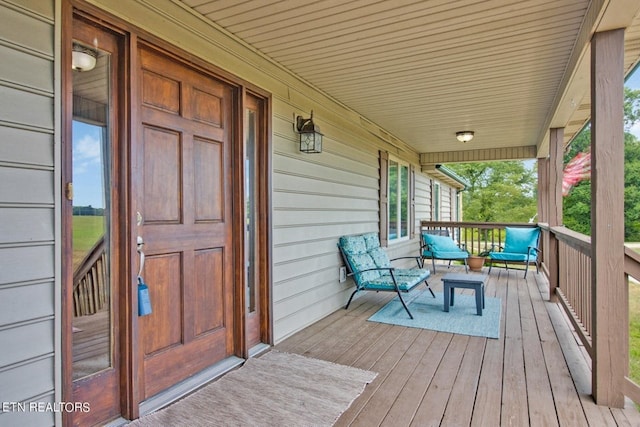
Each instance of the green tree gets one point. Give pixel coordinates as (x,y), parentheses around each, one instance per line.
(577,205)
(498,191)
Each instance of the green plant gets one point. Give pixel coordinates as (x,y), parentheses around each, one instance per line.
(484,253)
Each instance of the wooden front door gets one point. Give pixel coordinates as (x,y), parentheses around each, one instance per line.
(183,190)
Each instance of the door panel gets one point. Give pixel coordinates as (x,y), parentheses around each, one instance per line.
(209,196)
(163,272)
(184,193)
(162,180)
(208,310)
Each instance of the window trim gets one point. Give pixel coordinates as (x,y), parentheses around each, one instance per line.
(436,201)
(385,161)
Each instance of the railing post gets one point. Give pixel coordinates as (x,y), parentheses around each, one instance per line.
(610,358)
(556,148)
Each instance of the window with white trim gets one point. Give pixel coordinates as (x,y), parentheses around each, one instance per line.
(436,201)
(398,194)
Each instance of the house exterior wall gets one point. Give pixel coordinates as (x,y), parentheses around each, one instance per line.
(27,208)
(315,198)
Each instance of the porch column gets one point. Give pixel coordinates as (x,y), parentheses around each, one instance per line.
(543,207)
(610,331)
(556,150)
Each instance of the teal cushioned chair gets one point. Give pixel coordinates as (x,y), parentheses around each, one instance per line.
(520,246)
(442,247)
(371,268)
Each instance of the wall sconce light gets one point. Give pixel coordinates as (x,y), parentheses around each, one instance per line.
(464,136)
(83,58)
(310,136)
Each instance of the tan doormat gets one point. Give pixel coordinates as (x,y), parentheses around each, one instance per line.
(277,389)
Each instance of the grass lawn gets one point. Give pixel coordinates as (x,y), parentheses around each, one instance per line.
(634,325)
(87,230)
(634,331)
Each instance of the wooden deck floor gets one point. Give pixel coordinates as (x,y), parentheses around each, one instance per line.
(535,374)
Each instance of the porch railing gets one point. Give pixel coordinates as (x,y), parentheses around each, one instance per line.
(573,289)
(475,236)
(90,282)
(631,269)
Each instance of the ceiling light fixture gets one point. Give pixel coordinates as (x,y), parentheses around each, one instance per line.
(464,136)
(83,58)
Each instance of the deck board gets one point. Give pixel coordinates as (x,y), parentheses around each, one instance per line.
(535,374)
(412,394)
(381,402)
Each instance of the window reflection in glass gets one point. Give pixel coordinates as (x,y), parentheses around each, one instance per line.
(92,337)
(250,216)
(393,200)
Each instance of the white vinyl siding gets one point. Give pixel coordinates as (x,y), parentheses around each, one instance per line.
(445,203)
(315,197)
(423,199)
(27,206)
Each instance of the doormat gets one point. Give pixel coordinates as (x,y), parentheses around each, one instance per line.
(276,389)
(428,313)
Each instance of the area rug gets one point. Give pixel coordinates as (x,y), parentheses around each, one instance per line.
(276,389)
(428,313)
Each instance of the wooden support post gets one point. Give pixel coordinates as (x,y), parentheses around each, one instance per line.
(556,150)
(543,203)
(610,329)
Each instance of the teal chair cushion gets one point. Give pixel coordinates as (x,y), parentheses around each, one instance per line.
(380,257)
(361,262)
(442,247)
(385,283)
(371,241)
(353,245)
(509,256)
(459,254)
(518,240)
(441,243)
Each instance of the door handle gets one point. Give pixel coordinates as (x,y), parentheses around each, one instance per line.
(140,244)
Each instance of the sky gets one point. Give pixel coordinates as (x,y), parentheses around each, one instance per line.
(87,165)
(633,82)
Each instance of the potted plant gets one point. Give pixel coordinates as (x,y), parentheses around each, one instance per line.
(475,262)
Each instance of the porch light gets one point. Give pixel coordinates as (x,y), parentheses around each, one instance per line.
(464,136)
(83,58)
(310,136)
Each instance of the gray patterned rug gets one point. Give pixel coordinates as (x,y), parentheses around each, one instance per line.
(276,389)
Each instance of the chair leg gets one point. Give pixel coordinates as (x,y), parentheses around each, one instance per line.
(466,267)
(404,304)
(429,287)
(433,263)
(526,267)
(490,265)
(350,298)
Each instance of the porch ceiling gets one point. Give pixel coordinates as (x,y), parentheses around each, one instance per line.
(422,70)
